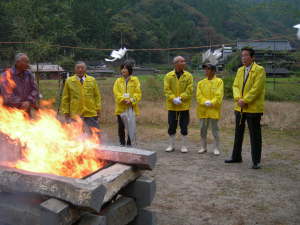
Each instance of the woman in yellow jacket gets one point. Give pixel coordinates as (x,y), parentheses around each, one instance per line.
(127,93)
(210,93)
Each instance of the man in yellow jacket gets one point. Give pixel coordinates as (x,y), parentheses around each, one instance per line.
(81,97)
(127,93)
(210,92)
(178,88)
(249,96)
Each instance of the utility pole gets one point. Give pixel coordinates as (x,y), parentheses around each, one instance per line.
(121,39)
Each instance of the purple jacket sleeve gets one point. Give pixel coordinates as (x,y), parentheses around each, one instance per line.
(25,90)
(34,93)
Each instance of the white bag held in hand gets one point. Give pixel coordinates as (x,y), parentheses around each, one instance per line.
(128,118)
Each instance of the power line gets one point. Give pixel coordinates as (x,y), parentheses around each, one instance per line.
(142,49)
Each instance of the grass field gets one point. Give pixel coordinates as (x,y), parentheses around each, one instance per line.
(278,115)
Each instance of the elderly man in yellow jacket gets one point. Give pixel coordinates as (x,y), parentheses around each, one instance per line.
(249,96)
(127,93)
(210,93)
(178,88)
(81,97)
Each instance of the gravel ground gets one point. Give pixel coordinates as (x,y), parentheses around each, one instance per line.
(195,189)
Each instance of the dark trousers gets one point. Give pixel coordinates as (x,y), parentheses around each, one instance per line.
(253,121)
(121,132)
(183,117)
(90,122)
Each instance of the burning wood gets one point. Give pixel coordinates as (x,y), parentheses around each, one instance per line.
(67,172)
(114,178)
(75,191)
(48,146)
(90,193)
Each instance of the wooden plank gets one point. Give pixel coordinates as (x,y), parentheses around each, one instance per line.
(75,191)
(28,210)
(91,219)
(145,217)
(114,178)
(142,190)
(58,212)
(121,212)
(137,157)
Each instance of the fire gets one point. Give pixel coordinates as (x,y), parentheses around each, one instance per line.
(47,145)
(10,82)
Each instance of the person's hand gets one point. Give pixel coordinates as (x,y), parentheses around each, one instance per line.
(67,116)
(241,103)
(126,95)
(98,113)
(177,101)
(127,101)
(25,105)
(208,103)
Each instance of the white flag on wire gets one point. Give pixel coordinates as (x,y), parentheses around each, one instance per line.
(117,54)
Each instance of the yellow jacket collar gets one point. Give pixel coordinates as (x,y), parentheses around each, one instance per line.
(174,73)
(129,78)
(253,67)
(214,77)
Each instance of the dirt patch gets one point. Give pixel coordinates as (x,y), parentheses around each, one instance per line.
(195,189)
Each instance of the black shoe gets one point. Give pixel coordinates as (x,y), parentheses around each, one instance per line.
(233,161)
(256,166)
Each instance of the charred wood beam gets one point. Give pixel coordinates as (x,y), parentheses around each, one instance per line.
(75,191)
(114,178)
(139,158)
(88,194)
(120,212)
(29,210)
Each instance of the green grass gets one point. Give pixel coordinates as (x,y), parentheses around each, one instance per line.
(277,89)
(285,89)
(49,89)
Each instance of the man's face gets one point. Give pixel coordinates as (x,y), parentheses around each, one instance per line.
(180,64)
(80,69)
(23,63)
(246,58)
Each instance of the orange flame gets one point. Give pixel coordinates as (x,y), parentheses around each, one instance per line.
(11,84)
(48,146)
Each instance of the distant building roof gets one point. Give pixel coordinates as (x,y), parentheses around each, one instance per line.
(274,45)
(46,68)
(100,71)
(277,71)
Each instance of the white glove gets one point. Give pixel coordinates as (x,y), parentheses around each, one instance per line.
(177,101)
(208,103)
(126,95)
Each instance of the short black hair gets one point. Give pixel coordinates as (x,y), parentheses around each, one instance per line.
(250,50)
(209,66)
(128,65)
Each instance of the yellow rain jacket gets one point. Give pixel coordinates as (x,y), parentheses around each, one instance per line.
(254,90)
(81,99)
(212,90)
(133,88)
(182,87)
